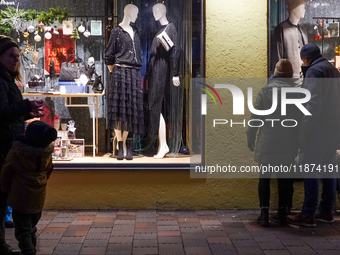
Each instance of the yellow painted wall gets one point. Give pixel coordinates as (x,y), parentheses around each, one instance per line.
(236,46)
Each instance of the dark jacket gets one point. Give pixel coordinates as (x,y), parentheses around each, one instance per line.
(24,176)
(121,49)
(321,131)
(13,110)
(275,144)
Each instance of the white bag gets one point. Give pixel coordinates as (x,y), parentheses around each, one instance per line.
(165,40)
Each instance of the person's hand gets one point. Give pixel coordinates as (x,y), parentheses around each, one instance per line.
(251,145)
(36,105)
(37,114)
(175,81)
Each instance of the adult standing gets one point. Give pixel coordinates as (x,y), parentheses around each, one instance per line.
(276,145)
(159,76)
(13,112)
(319,136)
(125,100)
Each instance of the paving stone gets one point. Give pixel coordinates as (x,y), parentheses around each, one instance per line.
(125,222)
(145,236)
(54,230)
(47,242)
(169,239)
(294,242)
(116,248)
(189,224)
(188,220)
(95,242)
(322,246)
(167,223)
(98,236)
(81,222)
(184,214)
(143,251)
(167,228)
(166,217)
(191,230)
(50,236)
(218,233)
(328,252)
(244,243)
(171,249)
(276,252)
(273,245)
(197,250)
(72,239)
(170,233)
(62,220)
(208,218)
(58,225)
(218,239)
(93,250)
(125,217)
(143,243)
(298,250)
(121,239)
(249,250)
(223,248)
(45,250)
(88,213)
(195,242)
(108,213)
(100,230)
(193,236)
(213,227)
(44,222)
(146,220)
(68,247)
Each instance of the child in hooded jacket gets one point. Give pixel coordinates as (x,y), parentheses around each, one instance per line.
(24,178)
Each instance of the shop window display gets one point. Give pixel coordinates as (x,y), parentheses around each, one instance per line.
(295,23)
(164,136)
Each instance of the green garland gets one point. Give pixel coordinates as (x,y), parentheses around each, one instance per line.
(10,14)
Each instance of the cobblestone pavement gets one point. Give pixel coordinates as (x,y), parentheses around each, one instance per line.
(109,232)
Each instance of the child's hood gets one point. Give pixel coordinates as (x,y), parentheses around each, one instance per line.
(32,157)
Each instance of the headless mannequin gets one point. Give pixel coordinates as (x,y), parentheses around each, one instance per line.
(130,15)
(159,13)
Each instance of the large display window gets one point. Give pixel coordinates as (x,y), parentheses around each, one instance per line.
(129,104)
(295,23)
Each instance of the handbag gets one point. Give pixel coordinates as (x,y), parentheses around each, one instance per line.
(70,71)
(165,40)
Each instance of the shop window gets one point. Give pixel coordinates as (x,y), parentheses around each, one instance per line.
(186,17)
(319,25)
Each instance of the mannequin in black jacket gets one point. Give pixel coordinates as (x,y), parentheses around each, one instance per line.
(159,76)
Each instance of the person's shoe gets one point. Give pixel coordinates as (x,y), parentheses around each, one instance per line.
(120,155)
(280,217)
(324,217)
(5,249)
(301,220)
(263,219)
(9,224)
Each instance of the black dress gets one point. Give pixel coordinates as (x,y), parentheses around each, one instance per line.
(159,74)
(125,95)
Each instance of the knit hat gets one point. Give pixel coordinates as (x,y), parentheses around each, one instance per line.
(6,43)
(294,3)
(40,134)
(283,68)
(310,51)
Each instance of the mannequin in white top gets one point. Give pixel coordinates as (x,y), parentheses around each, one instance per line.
(130,15)
(159,13)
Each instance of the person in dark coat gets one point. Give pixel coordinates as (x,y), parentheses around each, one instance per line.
(276,145)
(13,112)
(24,178)
(319,136)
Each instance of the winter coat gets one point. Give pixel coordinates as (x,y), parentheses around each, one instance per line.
(321,131)
(13,111)
(275,144)
(24,176)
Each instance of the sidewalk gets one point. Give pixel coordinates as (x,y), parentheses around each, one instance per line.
(217,232)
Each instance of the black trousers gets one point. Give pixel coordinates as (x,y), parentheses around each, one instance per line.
(25,230)
(285,190)
(3,212)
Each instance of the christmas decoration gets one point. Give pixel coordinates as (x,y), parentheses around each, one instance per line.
(75,34)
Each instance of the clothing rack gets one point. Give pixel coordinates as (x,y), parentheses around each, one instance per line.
(322,28)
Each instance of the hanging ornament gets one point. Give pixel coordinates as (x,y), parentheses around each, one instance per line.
(47,29)
(87,33)
(26,34)
(37,38)
(41,26)
(55,30)
(81,28)
(48,35)
(31,29)
(35,57)
(75,34)
(317,35)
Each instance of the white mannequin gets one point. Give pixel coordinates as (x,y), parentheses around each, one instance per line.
(130,15)
(297,13)
(159,13)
